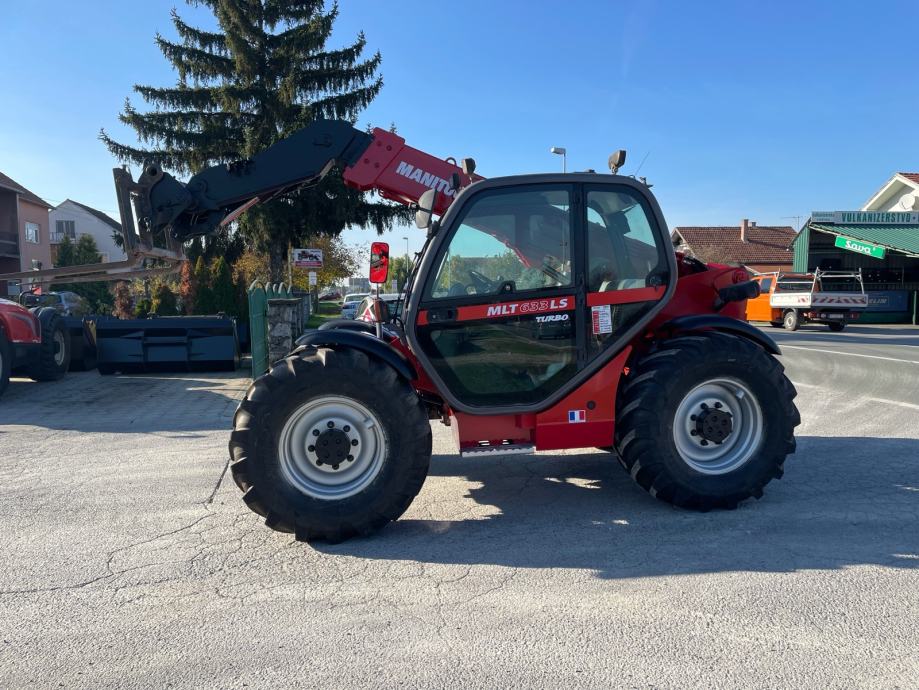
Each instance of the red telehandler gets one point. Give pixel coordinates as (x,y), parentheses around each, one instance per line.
(545,312)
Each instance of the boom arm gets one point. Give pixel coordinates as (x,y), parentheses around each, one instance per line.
(218,195)
(170,212)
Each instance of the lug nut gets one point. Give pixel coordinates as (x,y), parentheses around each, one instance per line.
(350,458)
(692,417)
(330,425)
(346,428)
(693,432)
(718,405)
(319,463)
(704,406)
(315,432)
(704,442)
(334,467)
(353,441)
(311,449)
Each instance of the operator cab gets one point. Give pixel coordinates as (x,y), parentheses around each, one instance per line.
(530,284)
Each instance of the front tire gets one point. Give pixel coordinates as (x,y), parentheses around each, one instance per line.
(54,353)
(707,421)
(330,444)
(791,321)
(6,361)
(836,326)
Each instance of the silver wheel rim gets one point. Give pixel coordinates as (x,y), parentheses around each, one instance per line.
(727,396)
(331,419)
(59,348)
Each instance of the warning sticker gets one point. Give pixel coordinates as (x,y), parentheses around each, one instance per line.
(601,319)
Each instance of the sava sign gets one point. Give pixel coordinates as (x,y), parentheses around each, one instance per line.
(860,247)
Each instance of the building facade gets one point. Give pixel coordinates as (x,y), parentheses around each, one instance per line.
(25,241)
(74,220)
(881,240)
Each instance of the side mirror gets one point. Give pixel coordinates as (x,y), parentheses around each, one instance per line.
(425,209)
(379,262)
(616,161)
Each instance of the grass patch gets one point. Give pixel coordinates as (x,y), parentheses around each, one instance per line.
(327,310)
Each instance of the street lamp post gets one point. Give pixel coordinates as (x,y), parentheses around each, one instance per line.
(563,152)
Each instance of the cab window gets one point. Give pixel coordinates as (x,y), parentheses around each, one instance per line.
(622,251)
(508,242)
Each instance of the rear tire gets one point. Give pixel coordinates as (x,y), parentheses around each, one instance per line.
(54,354)
(790,321)
(330,396)
(835,326)
(6,361)
(662,427)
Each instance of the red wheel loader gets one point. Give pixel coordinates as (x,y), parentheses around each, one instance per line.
(545,312)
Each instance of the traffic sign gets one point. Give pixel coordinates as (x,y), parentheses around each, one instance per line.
(307,258)
(313,281)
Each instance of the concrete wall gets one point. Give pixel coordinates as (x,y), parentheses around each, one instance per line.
(87,224)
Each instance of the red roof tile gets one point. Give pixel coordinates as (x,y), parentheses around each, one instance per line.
(912,177)
(765,244)
(10,183)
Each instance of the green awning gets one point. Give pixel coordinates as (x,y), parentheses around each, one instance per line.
(899,238)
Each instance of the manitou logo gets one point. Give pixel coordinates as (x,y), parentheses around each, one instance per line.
(535,306)
(427,179)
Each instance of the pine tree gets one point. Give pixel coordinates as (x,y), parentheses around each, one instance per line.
(264,74)
(223,288)
(164,301)
(204,295)
(84,252)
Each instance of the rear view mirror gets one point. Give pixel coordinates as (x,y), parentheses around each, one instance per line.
(425,209)
(379,262)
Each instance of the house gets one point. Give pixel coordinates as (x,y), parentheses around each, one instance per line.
(759,248)
(899,193)
(73,219)
(24,237)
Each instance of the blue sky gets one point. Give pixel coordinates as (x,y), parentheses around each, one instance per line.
(743,109)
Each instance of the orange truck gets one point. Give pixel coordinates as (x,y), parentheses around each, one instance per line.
(792,299)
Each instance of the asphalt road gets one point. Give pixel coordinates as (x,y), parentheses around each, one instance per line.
(128,559)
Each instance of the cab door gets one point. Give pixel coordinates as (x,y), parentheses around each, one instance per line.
(498,319)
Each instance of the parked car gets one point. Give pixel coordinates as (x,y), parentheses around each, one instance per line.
(332,296)
(393,303)
(350,304)
(64,302)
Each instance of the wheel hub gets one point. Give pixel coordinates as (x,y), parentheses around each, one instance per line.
(333,447)
(718,426)
(713,424)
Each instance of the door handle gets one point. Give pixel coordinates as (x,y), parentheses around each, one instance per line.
(441,315)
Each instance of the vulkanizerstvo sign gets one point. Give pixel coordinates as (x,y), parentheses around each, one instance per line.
(866,217)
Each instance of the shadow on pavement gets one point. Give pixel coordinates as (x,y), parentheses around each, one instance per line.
(843,502)
(148,403)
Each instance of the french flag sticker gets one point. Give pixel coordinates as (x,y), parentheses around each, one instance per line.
(577,416)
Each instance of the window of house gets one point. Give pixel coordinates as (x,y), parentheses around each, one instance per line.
(65,228)
(33,231)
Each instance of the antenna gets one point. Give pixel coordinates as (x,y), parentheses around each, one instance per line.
(797,221)
(638,170)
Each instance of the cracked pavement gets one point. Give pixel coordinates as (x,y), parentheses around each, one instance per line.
(129,560)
